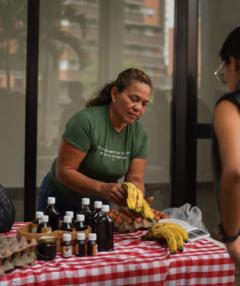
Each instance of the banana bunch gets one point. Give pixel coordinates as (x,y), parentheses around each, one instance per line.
(174,234)
(136,201)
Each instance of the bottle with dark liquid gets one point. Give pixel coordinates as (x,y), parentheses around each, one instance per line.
(54,216)
(44,225)
(85,209)
(104,230)
(67,247)
(96,213)
(71,214)
(67,223)
(36,223)
(92,244)
(80,246)
(80,224)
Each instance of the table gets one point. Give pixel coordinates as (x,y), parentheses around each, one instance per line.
(133,262)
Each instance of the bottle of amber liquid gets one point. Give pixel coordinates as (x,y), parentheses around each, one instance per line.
(67,249)
(36,223)
(92,244)
(80,246)
(85,209)
(80,224)
(104,230)
(95,215)
(44,225)
(54,216)
(67,223)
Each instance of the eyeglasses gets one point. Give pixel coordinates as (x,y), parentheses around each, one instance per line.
(219,73)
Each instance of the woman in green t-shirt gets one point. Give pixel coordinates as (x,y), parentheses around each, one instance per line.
(101,144)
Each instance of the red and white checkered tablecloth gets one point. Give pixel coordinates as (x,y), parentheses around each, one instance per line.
(133,262)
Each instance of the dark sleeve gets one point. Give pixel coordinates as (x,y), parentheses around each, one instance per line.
(233,97)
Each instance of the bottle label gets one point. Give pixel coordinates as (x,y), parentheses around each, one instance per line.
(67,251)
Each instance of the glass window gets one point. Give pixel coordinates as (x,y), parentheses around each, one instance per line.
(216,19)
(148,44)
(69,76)
(13,21)
(67,69)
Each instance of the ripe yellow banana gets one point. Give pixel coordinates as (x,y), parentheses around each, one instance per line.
(139,202)
(178,237)
(178,227)
(174,234)
(136,201)
(147,211)
(131,195)
(168,235)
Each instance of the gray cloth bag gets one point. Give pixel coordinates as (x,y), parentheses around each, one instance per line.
(192,215)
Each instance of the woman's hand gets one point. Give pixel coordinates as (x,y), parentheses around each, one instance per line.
(234,251)
(113,192)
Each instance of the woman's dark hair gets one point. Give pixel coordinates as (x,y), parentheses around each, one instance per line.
(231,46)
(123,80)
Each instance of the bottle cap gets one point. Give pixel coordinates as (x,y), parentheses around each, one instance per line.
(69,213)
(67,237)
(67,218)
(46,239)
(85,201)
(92,236)
(44,218)
(38,214)
(105,208)
(80,217)
(51,200)
(97,204)
(81,236)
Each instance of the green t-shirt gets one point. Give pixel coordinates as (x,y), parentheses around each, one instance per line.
(109,152)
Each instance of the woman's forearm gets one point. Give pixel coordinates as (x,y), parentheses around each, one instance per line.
(229,199)
(78,182)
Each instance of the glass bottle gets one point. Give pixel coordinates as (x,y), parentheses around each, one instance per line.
(46,248)
(104,230)
(71,214)
(54,216)
(80,224)
(36,223)
(80,246)
(85,209)
(92,244)
(44,225)
(67,249)
(95,215)
(67,223)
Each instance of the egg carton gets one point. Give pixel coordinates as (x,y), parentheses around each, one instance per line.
(126,220)
(16,253)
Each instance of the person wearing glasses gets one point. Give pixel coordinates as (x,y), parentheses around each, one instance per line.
(102,143)
(226,145)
